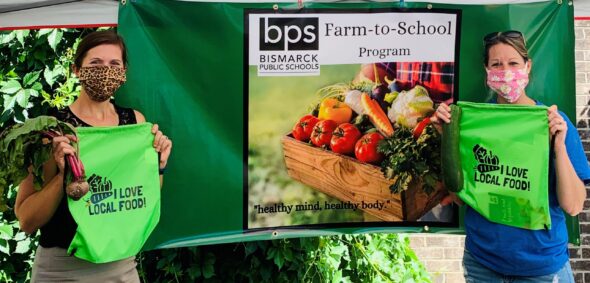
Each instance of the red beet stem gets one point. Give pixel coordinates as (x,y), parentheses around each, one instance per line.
(81,166)
(74,165)
(50,134)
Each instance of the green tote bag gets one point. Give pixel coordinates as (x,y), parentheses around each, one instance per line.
(497,160)
(122,208)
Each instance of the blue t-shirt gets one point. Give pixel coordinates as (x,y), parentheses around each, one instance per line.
(520,252)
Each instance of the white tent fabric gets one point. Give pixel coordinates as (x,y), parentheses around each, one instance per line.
(582,8)
(16,14)
(63,13)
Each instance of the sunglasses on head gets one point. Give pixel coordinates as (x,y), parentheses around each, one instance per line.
(509,33)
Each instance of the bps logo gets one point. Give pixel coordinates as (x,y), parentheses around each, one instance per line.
(288,34)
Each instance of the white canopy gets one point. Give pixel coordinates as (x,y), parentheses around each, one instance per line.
(16,14)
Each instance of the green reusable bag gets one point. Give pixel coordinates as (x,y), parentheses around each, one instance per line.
(499,162)
(122,207)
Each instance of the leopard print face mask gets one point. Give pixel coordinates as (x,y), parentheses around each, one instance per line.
(101,82)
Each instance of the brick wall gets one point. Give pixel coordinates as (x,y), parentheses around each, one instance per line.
(580,256)
(442,254)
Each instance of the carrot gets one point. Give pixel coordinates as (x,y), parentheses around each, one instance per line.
(98,197)
(483,168)
(376,115)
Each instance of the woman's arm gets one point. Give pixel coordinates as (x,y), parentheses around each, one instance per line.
(33,208)
(571,192)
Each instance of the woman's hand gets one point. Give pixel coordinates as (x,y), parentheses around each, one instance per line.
(442,114)
(62,146)
(557,126)
(163,145)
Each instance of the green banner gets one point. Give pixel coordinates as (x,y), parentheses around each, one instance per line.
(192,71)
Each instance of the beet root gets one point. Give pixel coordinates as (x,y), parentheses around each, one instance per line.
(77,189)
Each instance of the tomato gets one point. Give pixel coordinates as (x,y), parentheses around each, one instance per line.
(336,110)
(302,130)
(344,138)
(366,148)
(420,127)
(322,132)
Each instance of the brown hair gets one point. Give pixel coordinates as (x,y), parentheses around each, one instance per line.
(99,38)
(517,42)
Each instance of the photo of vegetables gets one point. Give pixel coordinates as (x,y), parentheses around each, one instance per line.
(352,145)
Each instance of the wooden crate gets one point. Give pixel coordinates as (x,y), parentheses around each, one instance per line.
(347,179)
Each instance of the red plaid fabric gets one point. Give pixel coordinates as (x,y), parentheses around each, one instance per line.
(437,77)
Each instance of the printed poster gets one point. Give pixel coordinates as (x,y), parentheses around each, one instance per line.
(325,89)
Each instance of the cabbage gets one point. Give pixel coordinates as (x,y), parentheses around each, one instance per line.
(410,106)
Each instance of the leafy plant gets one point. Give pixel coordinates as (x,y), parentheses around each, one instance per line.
(35,71)
(24,145)
(410,160)
(35,74)
(345,258)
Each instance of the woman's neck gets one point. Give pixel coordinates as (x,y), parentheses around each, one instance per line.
(93,111)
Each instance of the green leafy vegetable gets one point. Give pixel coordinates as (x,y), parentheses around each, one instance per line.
(23,146)
(408,160)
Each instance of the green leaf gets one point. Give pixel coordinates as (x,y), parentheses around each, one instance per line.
(37,86)
(208,271)
(33,93)
(23,246)
(337,277)
(6,232)
(51,75)
(279,261)
(9,101)
(11,87)
(43,32)
(8,38)
(20,236)
(20,36)
(22,97)
(31,78)
(4,247)
(194,272)
(161,263)
(54,38)
(12,74)
(5,117)
(250,247)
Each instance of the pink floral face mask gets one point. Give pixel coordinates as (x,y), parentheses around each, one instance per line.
(509,83)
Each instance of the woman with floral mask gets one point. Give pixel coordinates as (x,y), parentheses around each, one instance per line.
(500,253)
(100,64)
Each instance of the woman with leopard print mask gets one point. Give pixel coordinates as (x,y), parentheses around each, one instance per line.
(100,64)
